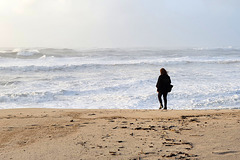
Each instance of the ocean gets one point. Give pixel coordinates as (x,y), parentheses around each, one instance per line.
(113,78)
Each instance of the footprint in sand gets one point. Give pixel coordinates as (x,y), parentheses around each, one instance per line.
(224,152)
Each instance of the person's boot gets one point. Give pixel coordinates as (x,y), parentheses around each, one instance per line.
(160,106)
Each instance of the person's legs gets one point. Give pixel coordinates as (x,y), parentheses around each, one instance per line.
(165,100)
(160,100)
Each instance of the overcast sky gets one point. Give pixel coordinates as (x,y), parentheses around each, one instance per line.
(119,23)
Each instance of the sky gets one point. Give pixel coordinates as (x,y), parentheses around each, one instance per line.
(119,23)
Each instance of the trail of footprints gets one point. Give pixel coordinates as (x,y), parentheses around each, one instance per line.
(148,138)
(157,138)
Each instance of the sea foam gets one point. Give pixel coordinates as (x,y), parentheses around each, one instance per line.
(118,78)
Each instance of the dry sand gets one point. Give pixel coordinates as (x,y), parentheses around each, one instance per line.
(28,134)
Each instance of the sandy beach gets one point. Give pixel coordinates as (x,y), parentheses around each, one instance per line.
(44,134)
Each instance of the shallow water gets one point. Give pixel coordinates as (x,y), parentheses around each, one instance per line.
(118,78)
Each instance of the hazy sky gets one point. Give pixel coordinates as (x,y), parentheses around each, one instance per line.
(119,23)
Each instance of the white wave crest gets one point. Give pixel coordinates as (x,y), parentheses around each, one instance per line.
(27,52)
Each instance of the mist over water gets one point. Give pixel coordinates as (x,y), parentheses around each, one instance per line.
(118,78)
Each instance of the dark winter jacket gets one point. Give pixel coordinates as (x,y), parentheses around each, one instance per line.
(163,83)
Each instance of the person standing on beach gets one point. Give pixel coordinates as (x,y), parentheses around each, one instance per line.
(163,87)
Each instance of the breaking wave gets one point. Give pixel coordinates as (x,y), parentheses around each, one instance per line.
(118,78)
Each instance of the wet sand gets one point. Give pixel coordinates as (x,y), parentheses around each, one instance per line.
(45,134)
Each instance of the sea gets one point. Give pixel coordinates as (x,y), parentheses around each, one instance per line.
(119,78)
